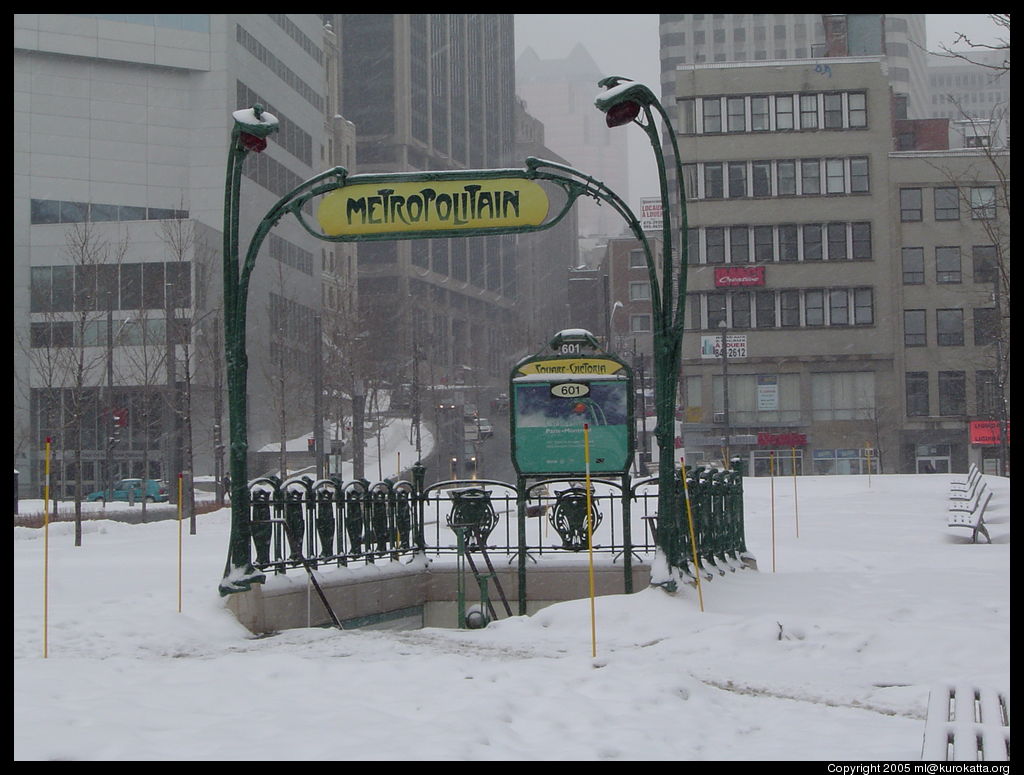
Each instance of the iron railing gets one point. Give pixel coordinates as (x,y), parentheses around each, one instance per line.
(335,522)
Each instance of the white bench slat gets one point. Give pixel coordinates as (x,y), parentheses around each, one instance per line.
(966,723)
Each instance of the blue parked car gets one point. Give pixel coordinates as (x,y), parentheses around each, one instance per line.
(132,490)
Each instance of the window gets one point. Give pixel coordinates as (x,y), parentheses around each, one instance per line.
(814,307)
(739,245)
(843,396)
(984,259)
(786,177)
(713,186)
(915,333)
(687,116)
(838,307)
(736,107)
(637,259)
(761,178)
(952,393)
(835,176)
(947,204)
(715,244)
(639,291)
(810,176)
(808,111)
(740,309)
(833,111)
(812,242)
(639,324)
(863,307)
(987,393)
(837,242)
(764,302)
(716,309)
(759,114)
(861,239)
(764,244)
(737,179)
(712,114)
(913,266)
(917,394)
(947,265)
(986,325)
(789,306)
(949,327)
(859,182)
(788,248)
(910,204)
(784,112)
(690,179)
(983,202)
(858,109)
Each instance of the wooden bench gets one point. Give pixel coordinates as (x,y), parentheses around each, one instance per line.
(973,520)
(967,723)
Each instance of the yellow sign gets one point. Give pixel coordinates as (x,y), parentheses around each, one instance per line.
(432,205)
(578,366)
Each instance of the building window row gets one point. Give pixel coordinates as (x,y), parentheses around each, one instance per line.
(949,327)
(792,308)
(776,178)
(276,66)
(286,24)
(126,286)
(773,113)
(980,201)
(58,211)
(951,393)
(783,243)
(948,267)
(191,22)
(291,255)
(289,136)
(273,176)
(138,331)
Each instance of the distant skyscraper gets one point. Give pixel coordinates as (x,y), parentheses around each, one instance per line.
(688,39)
(560,92)
(972,96)
(434,92)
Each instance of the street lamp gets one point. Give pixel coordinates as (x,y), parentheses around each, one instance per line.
(724,326)
(623,102)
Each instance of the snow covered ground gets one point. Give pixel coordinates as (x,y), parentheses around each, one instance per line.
(827,652)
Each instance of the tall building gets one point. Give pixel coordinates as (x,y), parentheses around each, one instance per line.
(121,131)
(837,271)
(973,92)
(560,92)
(433,92)
(688,39)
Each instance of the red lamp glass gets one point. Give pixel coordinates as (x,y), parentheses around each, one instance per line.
(622,113)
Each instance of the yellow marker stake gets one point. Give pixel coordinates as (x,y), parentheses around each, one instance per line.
(46,543)
(590,542)
(771,471)
(796,507)
(693,536)
(869,463)
(179,543)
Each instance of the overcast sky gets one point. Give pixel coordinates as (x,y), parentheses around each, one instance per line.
(627,45)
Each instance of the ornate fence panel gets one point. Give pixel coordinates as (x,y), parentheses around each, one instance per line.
(334,522)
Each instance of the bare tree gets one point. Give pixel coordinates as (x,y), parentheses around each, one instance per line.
(1001,65)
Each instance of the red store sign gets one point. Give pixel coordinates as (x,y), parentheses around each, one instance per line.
(781,439)
(738,276)
(987,432)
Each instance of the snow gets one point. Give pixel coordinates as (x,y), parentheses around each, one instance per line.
(863,601)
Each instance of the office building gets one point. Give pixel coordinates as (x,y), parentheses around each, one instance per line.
(121,131)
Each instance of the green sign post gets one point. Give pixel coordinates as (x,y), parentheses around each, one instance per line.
(553,396)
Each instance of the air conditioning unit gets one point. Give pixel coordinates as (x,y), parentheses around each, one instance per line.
(718,417)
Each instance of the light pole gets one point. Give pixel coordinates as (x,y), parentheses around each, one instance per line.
(724,326)
(624,102)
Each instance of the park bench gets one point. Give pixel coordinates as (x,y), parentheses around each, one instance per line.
(973,519)
(966,490)
(973,474)
(967,723)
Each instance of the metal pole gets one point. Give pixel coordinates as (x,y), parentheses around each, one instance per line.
(725,394)
(318,389)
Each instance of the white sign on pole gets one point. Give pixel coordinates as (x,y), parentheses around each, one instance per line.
(650,214)
(767,393)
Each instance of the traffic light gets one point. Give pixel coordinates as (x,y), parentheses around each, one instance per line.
(311,445)
(120,418)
